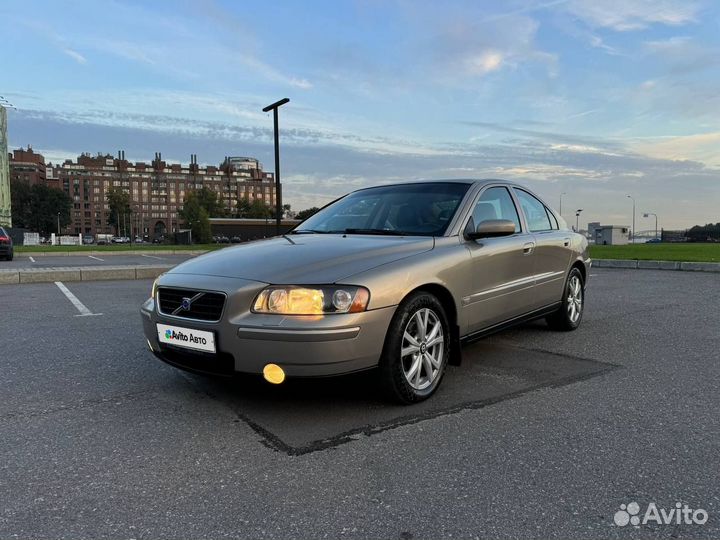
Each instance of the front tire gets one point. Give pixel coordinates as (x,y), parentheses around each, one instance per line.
(569,315)
(416,351)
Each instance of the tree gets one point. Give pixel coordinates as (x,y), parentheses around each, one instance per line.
(196,214)
(302,215)
(257,209)
(37,207)
(119,203)
(201,231)
(209,200)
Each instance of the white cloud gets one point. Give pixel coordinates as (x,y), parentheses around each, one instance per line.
(624,15)
(79,58)
(483,63)
(701,147)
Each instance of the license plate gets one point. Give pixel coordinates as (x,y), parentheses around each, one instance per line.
(188,338)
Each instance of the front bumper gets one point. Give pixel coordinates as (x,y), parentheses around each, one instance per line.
(303,346)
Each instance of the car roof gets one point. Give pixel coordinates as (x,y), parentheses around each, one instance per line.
(467,181)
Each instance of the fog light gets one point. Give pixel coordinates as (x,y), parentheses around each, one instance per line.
(273,374)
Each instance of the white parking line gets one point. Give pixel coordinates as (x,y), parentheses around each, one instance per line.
(32,260)
(84,311)
(152,257)
(96,258)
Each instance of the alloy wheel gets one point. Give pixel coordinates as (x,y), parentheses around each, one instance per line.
(574,299)
(422,349)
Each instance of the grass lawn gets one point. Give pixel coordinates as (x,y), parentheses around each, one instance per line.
(117,247)
(659,252)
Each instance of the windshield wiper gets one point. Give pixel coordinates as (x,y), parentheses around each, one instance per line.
(306,231)
(389,232)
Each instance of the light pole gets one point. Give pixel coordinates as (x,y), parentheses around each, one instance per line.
(577,219)
(58,227)
(633,225)
(278,190)
(648,214)
(561,195)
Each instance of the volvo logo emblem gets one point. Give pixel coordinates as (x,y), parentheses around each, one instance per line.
(186,304)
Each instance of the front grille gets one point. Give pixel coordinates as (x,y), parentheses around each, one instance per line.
(204,306)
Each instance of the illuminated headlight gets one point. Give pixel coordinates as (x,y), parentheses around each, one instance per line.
(321,300)
(153,292)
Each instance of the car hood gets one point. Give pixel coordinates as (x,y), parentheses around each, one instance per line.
(305,259)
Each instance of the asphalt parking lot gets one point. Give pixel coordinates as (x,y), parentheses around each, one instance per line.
(537,435)
(49,261)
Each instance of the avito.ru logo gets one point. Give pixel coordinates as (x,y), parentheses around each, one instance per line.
(682,514)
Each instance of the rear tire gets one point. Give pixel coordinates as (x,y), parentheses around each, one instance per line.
(569,315)
(416,350)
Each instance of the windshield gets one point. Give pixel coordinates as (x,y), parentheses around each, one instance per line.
(422,209)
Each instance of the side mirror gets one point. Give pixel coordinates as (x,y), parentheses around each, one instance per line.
(492,228)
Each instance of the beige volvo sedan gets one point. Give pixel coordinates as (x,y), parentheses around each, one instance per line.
(394,277)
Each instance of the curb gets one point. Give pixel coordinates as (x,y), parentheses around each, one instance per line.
(657,265)
(49,275)
(99,253)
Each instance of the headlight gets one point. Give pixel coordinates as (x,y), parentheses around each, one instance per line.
(320,300)
(153,292)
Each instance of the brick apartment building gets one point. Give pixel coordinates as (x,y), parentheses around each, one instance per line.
(28,166)
(157,189)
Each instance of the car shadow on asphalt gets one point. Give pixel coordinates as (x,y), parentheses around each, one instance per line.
(307,415)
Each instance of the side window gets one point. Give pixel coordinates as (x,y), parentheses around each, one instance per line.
(495,203)
(535,212)
(553,219)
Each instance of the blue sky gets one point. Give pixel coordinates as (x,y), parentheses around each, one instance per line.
(594,98)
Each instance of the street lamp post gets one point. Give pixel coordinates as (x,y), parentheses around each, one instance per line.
(577,219)
(58,216)
(633,225)
(561,195)
(278,190)
(648,214)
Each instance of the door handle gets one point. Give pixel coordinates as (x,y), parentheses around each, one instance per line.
(566,242)
(528,248)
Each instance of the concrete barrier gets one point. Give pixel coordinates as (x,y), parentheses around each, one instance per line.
(107,273)
(657,265)
(45,275)
(82,273)
(150,272)
(700,267)
(99,253)
(9,277)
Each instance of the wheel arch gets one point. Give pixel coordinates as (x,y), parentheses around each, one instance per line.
(580,265)
(447,301)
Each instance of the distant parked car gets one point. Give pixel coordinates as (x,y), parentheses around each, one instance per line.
(6,245)
(88,239)
(138,240)
(235,240)
(158,240)
(223,240)
(654,241)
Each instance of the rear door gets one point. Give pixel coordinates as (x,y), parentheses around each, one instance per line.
(552,254)
(502,267)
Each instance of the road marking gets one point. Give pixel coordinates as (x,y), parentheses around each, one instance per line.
(84,311)
(96,258)
(152,257)
(32,260)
